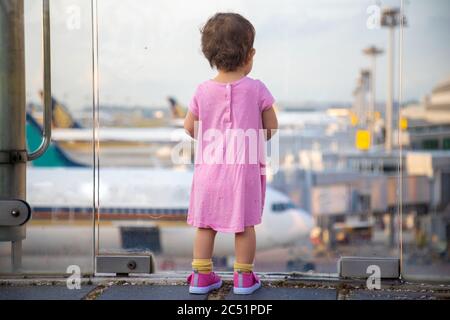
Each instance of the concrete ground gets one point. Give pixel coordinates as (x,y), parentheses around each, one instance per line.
(172,286)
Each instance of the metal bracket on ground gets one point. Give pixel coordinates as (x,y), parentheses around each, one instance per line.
(124,264)
(359,267)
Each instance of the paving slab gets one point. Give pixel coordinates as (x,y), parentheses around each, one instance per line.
(43,292)
(149,292)
(388,295)
(286,294)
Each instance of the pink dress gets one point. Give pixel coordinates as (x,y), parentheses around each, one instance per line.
(229,184)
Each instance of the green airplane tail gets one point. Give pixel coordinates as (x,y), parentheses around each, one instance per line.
(54,156)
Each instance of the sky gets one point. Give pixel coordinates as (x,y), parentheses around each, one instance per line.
(306,50)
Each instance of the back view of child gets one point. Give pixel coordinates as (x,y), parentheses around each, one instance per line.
(228,187)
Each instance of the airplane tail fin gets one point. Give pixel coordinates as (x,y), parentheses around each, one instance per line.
(62,118)
(54,156)
(176,109)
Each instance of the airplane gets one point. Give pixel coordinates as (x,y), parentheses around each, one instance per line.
(63,119)
(136,145)
(140,209)
(65,128)
(69,133)
(152,146)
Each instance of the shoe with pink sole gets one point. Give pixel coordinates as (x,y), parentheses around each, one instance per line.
(245,282)
(202,283)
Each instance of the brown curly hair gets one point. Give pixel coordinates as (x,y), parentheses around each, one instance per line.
(227,39)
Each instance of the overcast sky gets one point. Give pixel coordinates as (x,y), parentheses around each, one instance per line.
(307,50)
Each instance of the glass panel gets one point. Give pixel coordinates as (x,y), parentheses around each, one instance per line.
(335,190)
(337,157)
(59,183)
(425,118)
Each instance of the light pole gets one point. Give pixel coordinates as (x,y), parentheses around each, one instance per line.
(365,85)
(390,18)
(372,52)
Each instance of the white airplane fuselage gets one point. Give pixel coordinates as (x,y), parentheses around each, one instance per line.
(132,198)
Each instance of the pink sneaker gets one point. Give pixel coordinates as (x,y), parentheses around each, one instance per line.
(245,282)
(202,283)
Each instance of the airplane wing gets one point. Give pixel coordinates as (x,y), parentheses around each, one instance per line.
(300,119)
(155,135)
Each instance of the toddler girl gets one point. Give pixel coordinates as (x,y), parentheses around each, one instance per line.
(227,116)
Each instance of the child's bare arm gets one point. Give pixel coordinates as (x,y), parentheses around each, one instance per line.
(189,123)
(270,122)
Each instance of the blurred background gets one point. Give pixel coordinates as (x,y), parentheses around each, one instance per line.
(363,99)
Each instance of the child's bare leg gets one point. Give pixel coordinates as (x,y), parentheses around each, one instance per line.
(204,243)
(245,246)
(203,250)
(244,280)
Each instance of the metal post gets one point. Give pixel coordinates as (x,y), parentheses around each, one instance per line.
(390,92)
(372,52)
(392,237)
(16,255)
(331,232)
(372,105)
(47,92)
(372,87)
(365,86)
(390,18)
(12,115)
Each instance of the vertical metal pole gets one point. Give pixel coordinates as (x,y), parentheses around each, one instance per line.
(331,232)
(16,255)
(390,92)
(372,98)
(308,185)
(95,138)
(12,115)
(360,103)
(400,99)
(392,229)
(47,130)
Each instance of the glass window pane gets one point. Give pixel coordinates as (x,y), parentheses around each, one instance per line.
(359,165)
(59,184)
(334,189)
(425,119)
